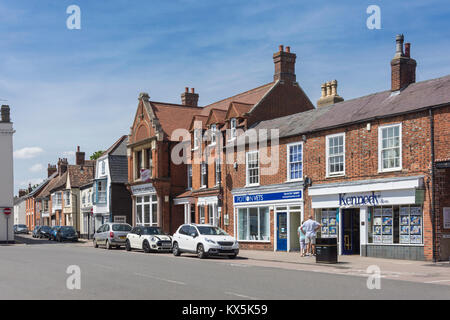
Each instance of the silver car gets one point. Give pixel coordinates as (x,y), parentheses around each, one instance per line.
(111,235)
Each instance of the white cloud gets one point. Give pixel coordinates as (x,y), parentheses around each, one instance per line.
(37,167)
(28,152)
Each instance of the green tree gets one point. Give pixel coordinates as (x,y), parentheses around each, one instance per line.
(96,155)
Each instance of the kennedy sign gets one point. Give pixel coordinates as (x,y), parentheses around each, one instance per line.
(359,200)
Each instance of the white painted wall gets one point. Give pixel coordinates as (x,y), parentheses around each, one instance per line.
(20,215)
(6,179)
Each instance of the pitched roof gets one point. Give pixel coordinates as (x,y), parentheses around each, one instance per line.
(115,145)
(216,116)
(36,191)
(415,97)
(80,175)
(202,119)
(237,109)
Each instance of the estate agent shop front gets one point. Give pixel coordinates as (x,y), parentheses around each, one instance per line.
(375,218)
(256,208)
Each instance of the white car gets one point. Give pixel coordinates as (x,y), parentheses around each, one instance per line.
(204,240)
(148,239)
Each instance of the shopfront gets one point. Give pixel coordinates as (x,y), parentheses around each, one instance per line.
(145,205)
(268,217)
(377,218)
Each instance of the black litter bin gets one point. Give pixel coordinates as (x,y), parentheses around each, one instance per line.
(326,250)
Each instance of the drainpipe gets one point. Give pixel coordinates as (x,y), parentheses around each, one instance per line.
(433,212)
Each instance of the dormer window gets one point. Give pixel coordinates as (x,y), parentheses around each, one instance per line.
(233,125)
(213,130)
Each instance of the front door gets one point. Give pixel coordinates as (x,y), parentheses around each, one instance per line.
(350,231)
(282,231)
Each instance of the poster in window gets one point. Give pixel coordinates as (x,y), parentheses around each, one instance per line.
(416,239)
(387,230)
(404,238)
(324,231)
(416,211)
(416,230)
(416,220)
(377,230)
(387,221)
(377,221)
(377,239)
(324,222)
(387,239)
(377,212)
(404,230)
(332,230)
(404,220)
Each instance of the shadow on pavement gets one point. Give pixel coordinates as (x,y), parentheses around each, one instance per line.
(29,240)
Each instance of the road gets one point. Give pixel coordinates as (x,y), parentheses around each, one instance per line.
(38,271)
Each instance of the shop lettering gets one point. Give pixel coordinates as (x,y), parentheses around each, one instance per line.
(358,200)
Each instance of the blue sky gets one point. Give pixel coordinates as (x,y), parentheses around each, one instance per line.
(80,87)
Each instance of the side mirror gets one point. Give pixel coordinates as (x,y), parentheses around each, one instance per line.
(193,235)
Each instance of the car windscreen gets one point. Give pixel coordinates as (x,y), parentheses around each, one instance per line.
(46,228)
(67,229)
(121,227)
(21,226)
(211,231)
(151,231)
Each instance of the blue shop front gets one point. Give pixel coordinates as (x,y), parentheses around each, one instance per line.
(267,217)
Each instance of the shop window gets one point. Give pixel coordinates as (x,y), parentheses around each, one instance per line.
(147,211)
(295,161)
(389,148)
(328,219)
(395,224)
(252,169)
(201,214)
(253,224)
(335,154)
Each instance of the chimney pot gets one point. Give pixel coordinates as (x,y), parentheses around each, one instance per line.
(281,49)
(403,67)
(186,89)
(407,49)
(192,90)
(329,94)
(288,49)
(189,98)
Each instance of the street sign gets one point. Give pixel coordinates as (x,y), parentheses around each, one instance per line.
(7,211)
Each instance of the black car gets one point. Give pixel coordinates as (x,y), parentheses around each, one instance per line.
(55,230)
(44,232)
(20,228)
(66,233)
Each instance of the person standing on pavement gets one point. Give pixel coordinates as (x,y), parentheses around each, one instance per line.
(310,228)
(302,238)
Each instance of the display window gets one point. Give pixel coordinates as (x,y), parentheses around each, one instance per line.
(328,218)
(147,210)
(395,225)
(253,224)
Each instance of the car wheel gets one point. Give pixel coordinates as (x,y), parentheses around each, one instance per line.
(146,246)
(95,243)
(108,245)
(201,251)
(175,250)
(128,245)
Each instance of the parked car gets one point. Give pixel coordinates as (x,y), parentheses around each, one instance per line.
(66,233)
(44,232)
(54,232)
(20,228)
(111,234)
(148,239)
(204,240)
(34,234)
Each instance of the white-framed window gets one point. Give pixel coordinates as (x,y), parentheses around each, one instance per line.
(201,214)
(213,215)
(213,130)
(218,171)
(233,125)
(103,167)
(252,168)
(335,153)
(253,224)
(204,174)
(67,198)
(295,161)
(197,133)
(147,210)
(101,191)
(390,147)
(189,176)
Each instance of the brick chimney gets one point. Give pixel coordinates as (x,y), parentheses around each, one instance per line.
(79,157)
(62,166)
(329,94)
(284,65)
(29,188)
(189,98)
(403,67)
(22,192)
(51,169)
(5,116)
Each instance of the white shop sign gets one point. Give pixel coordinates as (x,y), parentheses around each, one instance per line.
(142,189)
(356,200)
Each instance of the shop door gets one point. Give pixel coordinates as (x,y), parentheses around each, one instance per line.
(281,231)
(350,231)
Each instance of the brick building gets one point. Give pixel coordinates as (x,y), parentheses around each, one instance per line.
(367,168)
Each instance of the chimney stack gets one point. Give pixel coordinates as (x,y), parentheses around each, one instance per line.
(22,192)
(51,169)
(189,98)
(79,157)
(62,166)
(329,94)
(5,114)
(29,188)
(284,65)
(403,67)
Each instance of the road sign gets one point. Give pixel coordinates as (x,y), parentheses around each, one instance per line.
(7,211)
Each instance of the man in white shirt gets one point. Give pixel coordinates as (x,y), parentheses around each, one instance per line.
(310,228)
